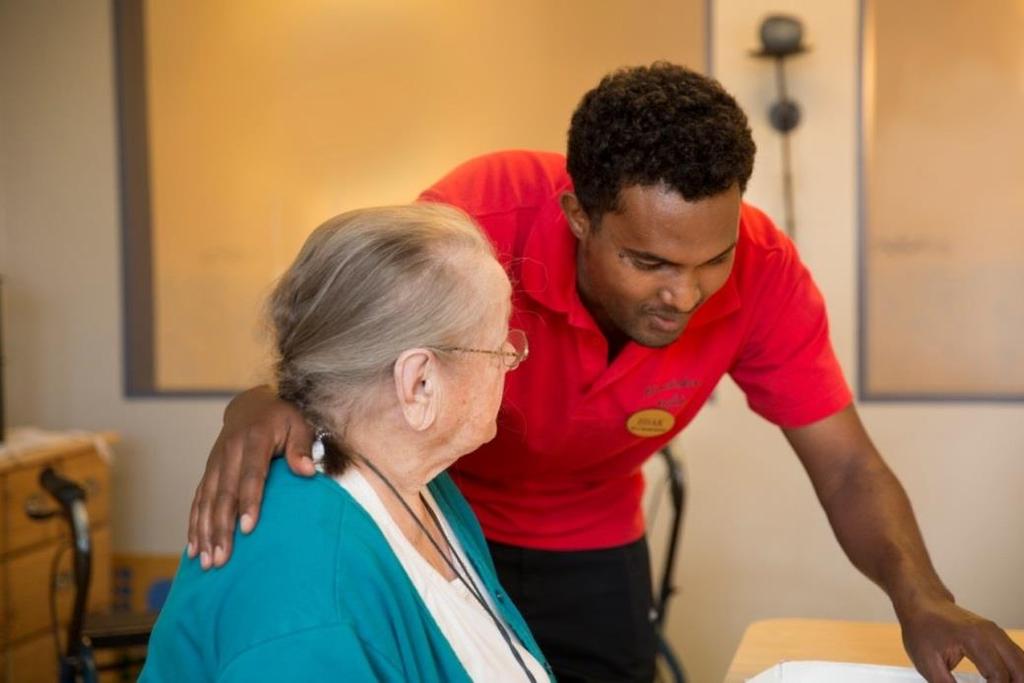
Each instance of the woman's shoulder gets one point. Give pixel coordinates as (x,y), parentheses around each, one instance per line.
(283,577)
(312,518)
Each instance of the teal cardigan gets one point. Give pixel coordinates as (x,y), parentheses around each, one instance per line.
(315,593)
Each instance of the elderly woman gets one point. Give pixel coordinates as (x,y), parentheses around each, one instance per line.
(392,336)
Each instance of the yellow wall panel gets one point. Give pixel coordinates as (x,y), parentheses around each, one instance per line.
(266,118)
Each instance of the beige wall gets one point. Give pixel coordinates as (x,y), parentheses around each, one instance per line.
(755,543)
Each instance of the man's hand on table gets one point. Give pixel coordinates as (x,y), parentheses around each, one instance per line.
(257,425)
(938,633)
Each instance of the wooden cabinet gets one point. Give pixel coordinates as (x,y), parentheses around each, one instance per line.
(35,555)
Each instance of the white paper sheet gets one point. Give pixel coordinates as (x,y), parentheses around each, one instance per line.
(838,672)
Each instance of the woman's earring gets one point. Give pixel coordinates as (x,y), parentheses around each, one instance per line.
(318,451)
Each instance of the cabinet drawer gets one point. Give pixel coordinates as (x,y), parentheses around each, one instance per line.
(83,465)
(22,488)
(29,581)
(33,661)
(3,607)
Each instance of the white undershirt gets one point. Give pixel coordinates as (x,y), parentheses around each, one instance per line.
(469,629)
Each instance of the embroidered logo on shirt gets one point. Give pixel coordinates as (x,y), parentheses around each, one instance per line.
(681,390)
(650,422)
(686,383)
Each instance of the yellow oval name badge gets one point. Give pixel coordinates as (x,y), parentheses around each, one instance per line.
(650,422)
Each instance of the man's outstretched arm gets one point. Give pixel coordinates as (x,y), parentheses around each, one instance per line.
(871,516)
(257,426)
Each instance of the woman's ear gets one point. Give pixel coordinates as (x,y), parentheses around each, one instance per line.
(417,385)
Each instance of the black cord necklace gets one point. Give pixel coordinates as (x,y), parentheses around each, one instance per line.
(463,576)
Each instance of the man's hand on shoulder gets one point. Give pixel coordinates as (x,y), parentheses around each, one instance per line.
(937,634)
(257,426)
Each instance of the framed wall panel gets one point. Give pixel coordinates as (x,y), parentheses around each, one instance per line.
(246,124)
(942,182)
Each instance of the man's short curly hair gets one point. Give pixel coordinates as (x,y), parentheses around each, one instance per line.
(658,124)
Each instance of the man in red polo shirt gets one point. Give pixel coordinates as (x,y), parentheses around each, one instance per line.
(640,279)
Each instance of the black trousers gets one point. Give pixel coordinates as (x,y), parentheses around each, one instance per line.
(590,611)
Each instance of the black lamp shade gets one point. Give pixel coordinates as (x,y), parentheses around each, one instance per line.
(781,35)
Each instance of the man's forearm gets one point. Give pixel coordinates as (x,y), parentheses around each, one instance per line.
(872,518)
(874,523)
(868,508)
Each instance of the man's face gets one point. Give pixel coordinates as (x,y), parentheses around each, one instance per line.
(644,271)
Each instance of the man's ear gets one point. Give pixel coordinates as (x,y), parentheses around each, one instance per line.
(579,221)
(417,385)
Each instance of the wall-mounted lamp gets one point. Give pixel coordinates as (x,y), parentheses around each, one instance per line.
(781,37)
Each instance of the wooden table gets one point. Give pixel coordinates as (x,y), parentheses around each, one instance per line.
(768,642)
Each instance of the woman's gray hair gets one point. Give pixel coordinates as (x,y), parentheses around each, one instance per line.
(366,286)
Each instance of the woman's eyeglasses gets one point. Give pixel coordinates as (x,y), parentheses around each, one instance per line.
(514,351)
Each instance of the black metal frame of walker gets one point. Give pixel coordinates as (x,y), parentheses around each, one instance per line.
(677,493)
